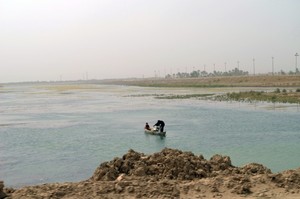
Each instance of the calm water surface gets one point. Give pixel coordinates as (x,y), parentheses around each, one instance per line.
(57,133)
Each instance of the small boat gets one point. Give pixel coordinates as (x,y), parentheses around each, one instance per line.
(155,131)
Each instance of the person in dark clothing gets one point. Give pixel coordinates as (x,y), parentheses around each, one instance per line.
(160,124)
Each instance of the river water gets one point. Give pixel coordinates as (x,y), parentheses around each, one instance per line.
(57,133)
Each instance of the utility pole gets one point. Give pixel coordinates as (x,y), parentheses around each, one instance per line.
(225,67)
(273,66)
(253,66)
(296,55)
(238,65)
(214,67)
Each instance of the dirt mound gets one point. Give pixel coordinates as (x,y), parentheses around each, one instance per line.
(168,164)
(171,173)
(172,164)
(2,194)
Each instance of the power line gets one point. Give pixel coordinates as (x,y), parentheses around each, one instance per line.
(253,66)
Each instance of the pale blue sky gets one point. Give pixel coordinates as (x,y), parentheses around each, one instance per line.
(53,39)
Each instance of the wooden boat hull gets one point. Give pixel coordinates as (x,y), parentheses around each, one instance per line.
(155,132)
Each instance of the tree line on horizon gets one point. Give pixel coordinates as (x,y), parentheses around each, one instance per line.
(233,72)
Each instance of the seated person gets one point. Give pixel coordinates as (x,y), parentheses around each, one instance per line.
(147,127)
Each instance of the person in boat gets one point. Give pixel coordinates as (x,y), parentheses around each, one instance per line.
(160,124)
(147,127)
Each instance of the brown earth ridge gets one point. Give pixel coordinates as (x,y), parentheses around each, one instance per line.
(214,81)
(170,173)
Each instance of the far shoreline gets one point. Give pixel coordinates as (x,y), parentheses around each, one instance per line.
(286,89)
(260,80)
(211,82)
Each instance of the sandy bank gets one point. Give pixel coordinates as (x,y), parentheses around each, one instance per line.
(170,173)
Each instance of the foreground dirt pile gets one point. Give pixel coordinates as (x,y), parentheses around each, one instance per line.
(171,174)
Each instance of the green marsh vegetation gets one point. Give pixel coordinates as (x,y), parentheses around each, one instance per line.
(280,96)
(170,96)
(186,96)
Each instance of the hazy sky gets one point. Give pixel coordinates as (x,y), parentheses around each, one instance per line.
(70,39)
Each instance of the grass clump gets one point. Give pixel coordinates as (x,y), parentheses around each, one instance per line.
(187,96)
(277,90)
(277,96)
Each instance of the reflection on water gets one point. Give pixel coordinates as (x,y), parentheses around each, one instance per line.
(55,133)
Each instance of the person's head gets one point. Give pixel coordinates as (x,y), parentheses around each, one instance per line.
(146,123)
